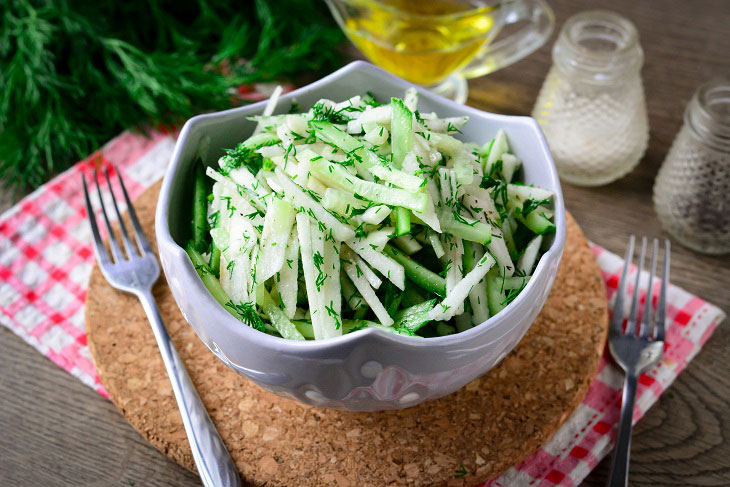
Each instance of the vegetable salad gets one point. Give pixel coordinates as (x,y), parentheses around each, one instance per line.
(361,214)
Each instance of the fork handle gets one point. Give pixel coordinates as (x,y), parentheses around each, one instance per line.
(214,463)
(619,475)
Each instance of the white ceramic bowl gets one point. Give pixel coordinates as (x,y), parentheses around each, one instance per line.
(368,370)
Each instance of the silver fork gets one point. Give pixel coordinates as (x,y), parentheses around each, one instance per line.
(135,273)
(636,351)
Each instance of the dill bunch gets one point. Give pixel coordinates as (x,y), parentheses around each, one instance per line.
(75,73)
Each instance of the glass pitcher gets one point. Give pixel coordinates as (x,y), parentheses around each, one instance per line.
(441,43)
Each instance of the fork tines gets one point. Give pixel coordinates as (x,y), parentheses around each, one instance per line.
(618,308)
(132,251)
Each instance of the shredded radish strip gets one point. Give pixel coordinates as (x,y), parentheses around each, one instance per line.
(356,214)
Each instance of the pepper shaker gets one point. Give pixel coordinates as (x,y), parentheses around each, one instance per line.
(591,106)
(692,189)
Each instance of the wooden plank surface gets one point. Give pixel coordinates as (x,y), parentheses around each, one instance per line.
(56,431)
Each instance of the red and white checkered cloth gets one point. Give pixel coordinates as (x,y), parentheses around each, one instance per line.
(46,258)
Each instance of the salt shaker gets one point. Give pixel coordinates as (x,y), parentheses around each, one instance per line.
(591,106)
(692,190)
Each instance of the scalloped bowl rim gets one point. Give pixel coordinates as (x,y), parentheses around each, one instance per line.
(223,318)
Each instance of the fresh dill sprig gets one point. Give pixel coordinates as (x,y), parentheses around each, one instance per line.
(241,156)
(248,314)
(76,73)
(326,113)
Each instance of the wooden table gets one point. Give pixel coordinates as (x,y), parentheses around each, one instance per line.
(56,431)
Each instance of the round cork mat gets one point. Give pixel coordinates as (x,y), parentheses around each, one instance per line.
(469,436)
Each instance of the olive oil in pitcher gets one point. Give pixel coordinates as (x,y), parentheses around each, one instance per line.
(421,41)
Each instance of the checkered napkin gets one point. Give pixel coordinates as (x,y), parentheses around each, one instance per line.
(46,258)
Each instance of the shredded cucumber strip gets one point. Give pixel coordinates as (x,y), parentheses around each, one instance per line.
(401,130)
(521,193)
(336,175)
(515,282)
(537,223)
(256,141)
(341,202)
(463,167)
(478,294)
(430,281)
(305,327)
(527,260)
(408,244)
(445,125)
(414,317)
(402,221)
(466,228)
(497,147)
(435,241)
(211,283)
(362,157)
(278,318)
(497,244)
(444,143)
(398,178)
(495,292)
(429,216)
(510,165)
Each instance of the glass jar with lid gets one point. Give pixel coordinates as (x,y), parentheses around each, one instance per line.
(692,189)
(591,106)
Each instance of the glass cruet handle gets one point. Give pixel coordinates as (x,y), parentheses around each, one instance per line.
(503,52)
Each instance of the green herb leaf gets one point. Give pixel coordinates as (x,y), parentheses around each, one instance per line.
(75,74)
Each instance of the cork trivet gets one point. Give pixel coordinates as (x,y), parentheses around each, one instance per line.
(472,435)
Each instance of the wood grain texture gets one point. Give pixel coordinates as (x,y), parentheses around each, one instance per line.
(56,431)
